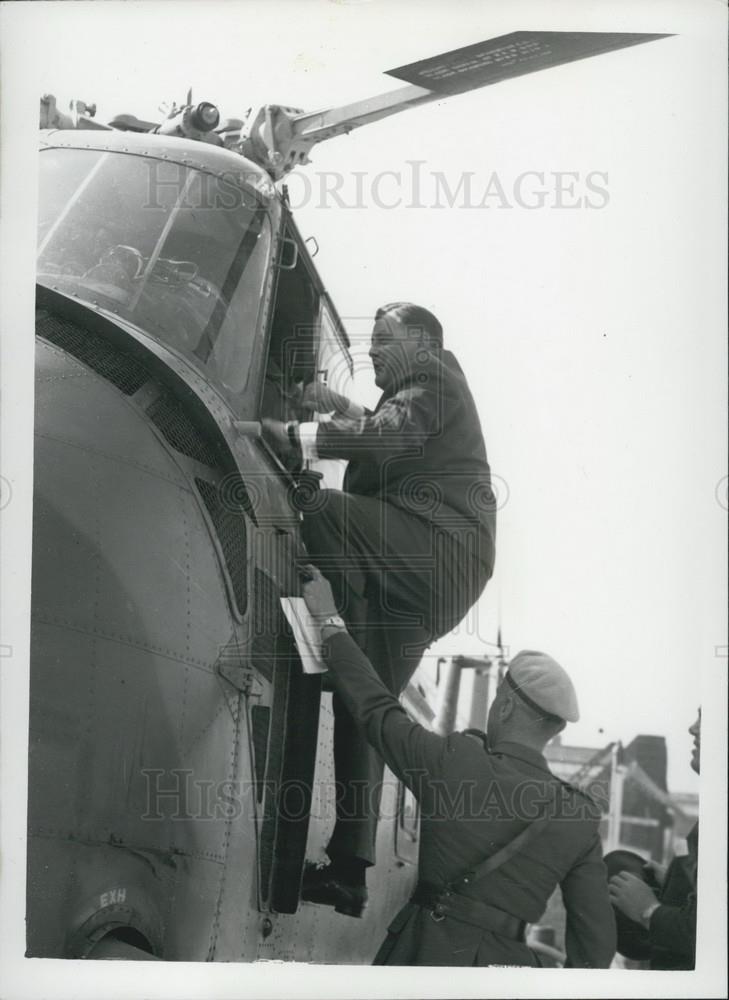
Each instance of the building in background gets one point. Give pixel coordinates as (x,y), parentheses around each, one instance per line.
(629,783)
(460,690)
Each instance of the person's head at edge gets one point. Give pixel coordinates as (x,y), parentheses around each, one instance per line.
(695,731)
(401,330)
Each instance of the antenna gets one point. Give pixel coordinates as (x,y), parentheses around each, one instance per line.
(502,661)
(498,621)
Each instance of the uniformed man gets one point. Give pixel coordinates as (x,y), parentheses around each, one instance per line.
(499,831)
(670,915)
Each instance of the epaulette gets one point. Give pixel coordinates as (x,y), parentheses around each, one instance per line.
(584,794)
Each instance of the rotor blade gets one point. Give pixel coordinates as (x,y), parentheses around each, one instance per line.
(319,125)
(280,138)
(462,70)
(511,55)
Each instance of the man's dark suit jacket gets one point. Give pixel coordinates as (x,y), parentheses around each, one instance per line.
(422,450)
(672,929)
(473,802)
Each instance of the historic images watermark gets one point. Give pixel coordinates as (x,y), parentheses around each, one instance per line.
(413,186)
(177,795)
(416,187)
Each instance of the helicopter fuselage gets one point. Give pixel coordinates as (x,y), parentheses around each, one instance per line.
(170,716)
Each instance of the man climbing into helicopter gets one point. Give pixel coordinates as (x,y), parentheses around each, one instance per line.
(407,544)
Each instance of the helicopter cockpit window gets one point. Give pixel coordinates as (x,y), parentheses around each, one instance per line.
(176,251)
(334,364)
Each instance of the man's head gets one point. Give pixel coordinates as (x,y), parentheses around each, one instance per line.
(534,702)
(695,731)
(401,330)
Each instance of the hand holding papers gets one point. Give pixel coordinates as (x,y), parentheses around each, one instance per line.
(306,634)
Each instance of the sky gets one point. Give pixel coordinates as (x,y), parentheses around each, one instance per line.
(592,335)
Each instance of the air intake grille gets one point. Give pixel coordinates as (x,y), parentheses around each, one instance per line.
(92,350)
(260,723)
(230,527)
(272,632)
(172,420)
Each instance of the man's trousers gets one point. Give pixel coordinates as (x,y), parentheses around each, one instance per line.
(400,583)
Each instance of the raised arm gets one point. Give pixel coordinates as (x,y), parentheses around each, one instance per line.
(401,424)
(318,396)
(409,750)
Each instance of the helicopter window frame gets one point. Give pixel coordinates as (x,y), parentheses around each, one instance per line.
(322,310)
(277,393)
(336,327)
(332,348)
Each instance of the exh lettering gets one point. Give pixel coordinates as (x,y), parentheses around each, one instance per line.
(112,897)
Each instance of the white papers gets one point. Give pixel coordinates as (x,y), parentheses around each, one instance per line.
(306,634)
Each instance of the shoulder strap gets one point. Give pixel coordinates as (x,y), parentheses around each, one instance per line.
(508,850)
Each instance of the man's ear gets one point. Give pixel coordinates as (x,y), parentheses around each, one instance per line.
(506,708)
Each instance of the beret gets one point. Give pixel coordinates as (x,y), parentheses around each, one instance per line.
(542,682)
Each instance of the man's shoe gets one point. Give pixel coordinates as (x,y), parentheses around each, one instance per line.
(321,886)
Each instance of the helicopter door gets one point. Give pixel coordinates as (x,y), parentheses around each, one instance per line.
(334,369)
(285,725)
(291,361)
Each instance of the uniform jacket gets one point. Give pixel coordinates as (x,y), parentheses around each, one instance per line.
(672,929)
(472,803)
(422,449)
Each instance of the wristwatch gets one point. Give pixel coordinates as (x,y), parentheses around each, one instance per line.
(333,621)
